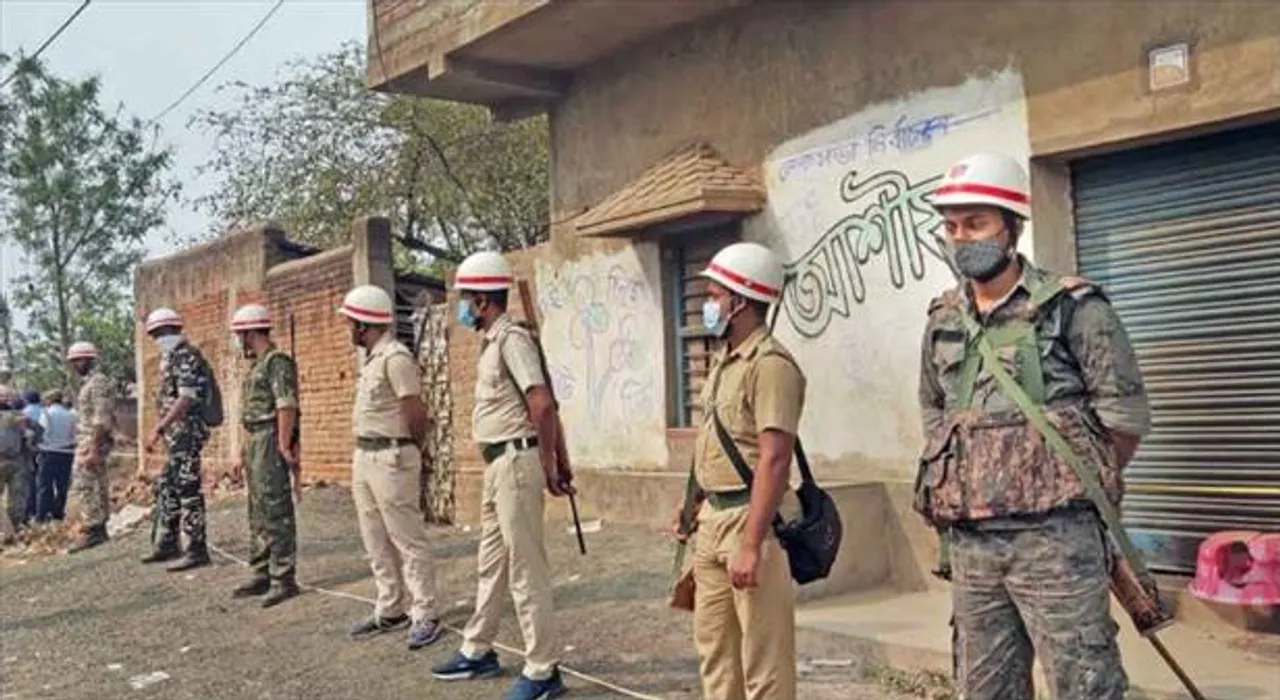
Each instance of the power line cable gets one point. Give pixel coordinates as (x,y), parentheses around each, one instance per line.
(209,74)
(52,38)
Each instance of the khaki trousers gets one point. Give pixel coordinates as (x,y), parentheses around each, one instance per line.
(746,639)
(513,557)
(385,485)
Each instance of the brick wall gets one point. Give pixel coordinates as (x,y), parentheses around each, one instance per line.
(310,289)
(208,283)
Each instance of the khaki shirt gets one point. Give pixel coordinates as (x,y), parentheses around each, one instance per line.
(760,388)
(389,374)
(508,367)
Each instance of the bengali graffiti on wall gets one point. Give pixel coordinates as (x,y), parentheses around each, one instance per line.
(848,208)
(602,321)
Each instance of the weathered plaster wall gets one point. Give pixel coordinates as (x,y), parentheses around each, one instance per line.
(776,80)
(603,330)
(847,210)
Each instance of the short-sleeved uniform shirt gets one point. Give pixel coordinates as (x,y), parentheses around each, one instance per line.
(271,384)
(508,367)
(755,387)
(184,375)
(95,406)
(389,374)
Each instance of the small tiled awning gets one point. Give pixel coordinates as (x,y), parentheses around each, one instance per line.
(691,182)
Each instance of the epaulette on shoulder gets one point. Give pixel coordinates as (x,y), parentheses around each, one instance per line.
(523,327)
(948,299)
(1081,287)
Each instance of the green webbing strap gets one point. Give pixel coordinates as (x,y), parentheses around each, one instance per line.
(1035,415)
(1021,335)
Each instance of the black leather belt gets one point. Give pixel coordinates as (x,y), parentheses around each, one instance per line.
(493,450)
(260,425)
(373,444)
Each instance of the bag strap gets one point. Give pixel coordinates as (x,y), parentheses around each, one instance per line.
(1087,476)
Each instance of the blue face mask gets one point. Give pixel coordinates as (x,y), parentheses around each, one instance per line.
(713,320)
(467,314)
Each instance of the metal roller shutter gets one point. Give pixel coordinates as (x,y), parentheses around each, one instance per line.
(1185,238)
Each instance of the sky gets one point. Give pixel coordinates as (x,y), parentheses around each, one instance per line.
(149,52)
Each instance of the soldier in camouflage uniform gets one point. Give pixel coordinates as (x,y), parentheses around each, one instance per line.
(1029,556)
(184,381)
(269,415)
(95,421)
(15,472)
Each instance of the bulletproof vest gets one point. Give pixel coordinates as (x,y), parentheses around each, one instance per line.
(978,466)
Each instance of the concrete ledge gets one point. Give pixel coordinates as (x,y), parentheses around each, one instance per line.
(881,547)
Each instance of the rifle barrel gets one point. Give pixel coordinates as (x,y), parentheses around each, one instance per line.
(1175,667)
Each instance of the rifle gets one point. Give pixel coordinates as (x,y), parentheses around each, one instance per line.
(531,322)
(295,440)
(1131,583)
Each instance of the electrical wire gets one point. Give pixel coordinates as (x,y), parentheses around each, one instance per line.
(209,74)
(635,695)
(52,38)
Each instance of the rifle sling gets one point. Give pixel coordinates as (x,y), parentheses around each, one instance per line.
(1035,415)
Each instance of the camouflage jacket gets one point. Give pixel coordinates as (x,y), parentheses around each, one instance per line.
(183,374)
(982,459)
(270,384)
(95,406)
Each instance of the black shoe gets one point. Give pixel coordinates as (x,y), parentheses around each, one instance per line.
(92,537)
(377,625)
(194,559)
(162,553)
(283,590)
(258,585)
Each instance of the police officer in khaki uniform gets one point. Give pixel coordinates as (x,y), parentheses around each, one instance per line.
(516,424)
(390,422)
(744,601)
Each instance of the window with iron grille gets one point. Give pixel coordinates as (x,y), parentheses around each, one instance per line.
(689,346)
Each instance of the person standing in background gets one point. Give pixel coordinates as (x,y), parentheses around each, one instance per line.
(95,425)
(57,451)
(34,412)
(185,381)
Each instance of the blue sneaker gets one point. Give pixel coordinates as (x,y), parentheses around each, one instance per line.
(424,633)
(460,668)
(526,688)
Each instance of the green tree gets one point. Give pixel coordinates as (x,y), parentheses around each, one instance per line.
(80,190)
(316,150)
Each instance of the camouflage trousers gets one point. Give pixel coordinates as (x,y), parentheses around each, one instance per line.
(272,527)
(1021,586)
(89,487)
(179,498)
(16,481)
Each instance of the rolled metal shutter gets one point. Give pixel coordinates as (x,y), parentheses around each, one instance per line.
(1185,238)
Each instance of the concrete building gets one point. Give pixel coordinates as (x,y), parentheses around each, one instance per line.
(818,128)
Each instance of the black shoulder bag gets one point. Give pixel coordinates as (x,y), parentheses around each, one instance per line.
(811,541)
